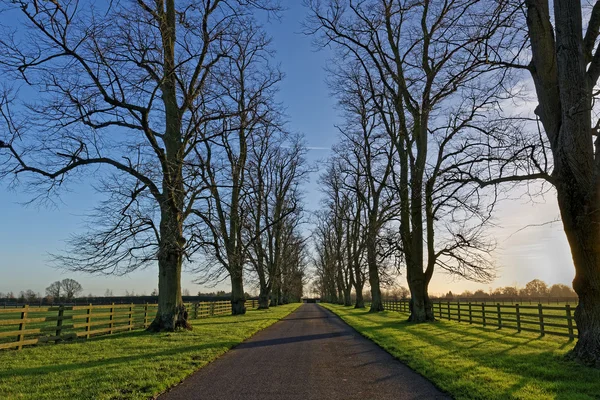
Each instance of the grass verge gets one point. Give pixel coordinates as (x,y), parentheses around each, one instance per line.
(137,365)
(470,362)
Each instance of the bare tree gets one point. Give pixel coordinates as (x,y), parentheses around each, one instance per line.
(325,258)
(54,291)
(294,265)
(223,158)
(367,159)
(337,202)
(426,76)
(276,168)
(125,89)
(71,288)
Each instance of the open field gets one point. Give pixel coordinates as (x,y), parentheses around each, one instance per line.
(32,325)
(472,362)
(136,365)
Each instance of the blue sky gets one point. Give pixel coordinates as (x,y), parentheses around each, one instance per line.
(29,233)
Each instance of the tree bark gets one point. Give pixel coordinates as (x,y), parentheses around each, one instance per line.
(421,308)
(360,301)
(238,298)
(376,302)
(581,223)
(347,296)
(263,297)
(171,314)
(564,86)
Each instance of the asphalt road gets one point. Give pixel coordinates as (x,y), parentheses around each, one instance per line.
(310,354)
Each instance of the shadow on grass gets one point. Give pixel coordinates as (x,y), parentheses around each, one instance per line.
(113,362)
(522,361)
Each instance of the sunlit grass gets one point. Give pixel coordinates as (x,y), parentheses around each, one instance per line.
(471,362)
(137,365)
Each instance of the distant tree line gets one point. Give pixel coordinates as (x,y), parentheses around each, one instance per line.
(534,289)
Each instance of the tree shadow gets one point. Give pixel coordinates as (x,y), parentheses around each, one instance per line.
(293,339)
(533,361)
(113,362)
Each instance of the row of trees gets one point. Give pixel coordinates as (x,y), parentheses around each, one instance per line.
(536,288)
(170,107)
(66,289)
(429,142)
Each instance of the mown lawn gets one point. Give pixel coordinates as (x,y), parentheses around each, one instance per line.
(470,362)
(137,365)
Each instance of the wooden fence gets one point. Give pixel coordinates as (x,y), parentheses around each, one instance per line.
(542,319)
(56,324)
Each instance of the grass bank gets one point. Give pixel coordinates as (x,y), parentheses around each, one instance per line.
(137,365)
(472,362)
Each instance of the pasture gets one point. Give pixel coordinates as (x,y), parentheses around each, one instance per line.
(473,362)
(31,325)
(132,365)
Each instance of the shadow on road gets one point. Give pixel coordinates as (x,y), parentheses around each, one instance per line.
(293,339)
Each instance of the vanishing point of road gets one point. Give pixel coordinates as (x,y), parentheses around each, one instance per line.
(310,354)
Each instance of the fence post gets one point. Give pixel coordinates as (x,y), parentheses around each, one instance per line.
(212,309)
(541,314)
(146,315)
(448,307)
(196,305)
(570,322)
(59,321)
(483,313)
(130,317)
(518,318)
(470,313)
(111,323)
(499,316)
(88,320)
(21,336)
(458,305)
(440,308)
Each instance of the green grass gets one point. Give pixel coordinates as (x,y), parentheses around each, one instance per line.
(471,362)
(137,365)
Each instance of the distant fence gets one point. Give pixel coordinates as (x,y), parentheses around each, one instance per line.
(38,325)
(82,301)
(511,300)
(542,319)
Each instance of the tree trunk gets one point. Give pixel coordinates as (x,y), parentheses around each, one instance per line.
(360,301)
(421,308)
(347,296)
(171,313)
(263,298)
(376,303)
(581,223)
(237,295)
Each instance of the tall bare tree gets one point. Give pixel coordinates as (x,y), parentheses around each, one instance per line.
(426,79)
(224,157)
(123,90)
(337,202)
(71,288)
(367,159)
(275,171)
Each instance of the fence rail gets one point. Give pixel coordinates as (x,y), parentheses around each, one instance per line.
(55,324)
(542,319)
